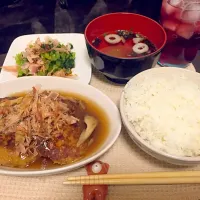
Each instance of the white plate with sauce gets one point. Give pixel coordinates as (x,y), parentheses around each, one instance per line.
(82,62)
(91,94)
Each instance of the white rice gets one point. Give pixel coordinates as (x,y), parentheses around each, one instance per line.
(166,114)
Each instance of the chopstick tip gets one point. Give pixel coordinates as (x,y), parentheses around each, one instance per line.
(67,183)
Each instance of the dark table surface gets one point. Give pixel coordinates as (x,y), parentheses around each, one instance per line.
(22,17)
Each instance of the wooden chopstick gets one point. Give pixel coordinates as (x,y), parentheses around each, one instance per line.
(138,175)
(136,181)
(149,178)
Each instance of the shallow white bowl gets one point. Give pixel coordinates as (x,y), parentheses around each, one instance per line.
(72,86)
(166,73)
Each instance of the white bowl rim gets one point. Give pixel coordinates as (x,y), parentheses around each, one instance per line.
(81,163)
(136,136)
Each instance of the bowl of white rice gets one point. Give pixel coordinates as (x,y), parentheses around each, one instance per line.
(160,110)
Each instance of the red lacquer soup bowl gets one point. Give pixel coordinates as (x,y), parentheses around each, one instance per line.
(119,68)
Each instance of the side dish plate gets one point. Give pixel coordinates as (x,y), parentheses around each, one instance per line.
(82,62)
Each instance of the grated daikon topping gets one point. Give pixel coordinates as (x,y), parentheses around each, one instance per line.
(166,114)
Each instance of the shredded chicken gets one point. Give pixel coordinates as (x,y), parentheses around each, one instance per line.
(45,124)
(10,68)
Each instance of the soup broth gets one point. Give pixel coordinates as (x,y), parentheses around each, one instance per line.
(124,44)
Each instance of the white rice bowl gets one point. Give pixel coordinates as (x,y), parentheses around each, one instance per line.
(160,109)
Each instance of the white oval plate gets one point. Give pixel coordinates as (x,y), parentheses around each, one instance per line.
(82,61)
(66,85)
